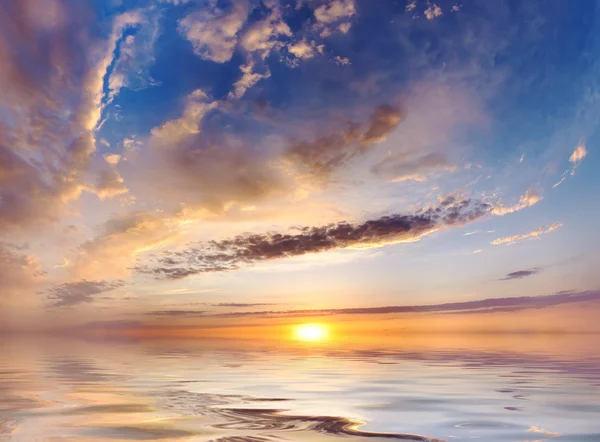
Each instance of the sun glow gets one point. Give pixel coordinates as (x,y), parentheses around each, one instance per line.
(311,332)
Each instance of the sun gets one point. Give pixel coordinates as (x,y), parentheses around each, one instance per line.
(311,332)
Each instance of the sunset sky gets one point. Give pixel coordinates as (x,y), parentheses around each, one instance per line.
(228,163)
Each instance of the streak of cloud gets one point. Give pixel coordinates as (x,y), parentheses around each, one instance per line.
(231,254)
(71,294)
(520,274)
(530,198)
(481,306)
(535,234)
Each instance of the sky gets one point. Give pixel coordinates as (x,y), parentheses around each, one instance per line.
(208,164)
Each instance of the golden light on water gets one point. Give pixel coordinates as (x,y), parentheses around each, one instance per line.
(311,332)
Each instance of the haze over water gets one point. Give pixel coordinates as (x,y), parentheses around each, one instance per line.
(492,388)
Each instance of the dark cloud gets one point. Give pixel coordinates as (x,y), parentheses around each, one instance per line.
(326,153)
(521,274)
(230,254)
(73,293)
(493,305)
(383,121)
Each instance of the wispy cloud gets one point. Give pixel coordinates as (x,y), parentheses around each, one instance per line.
(481,306)
(531,197)
(575,159)
(535,234)
(74,293)
(520,274)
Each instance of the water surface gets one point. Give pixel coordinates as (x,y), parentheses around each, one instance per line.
(491,388)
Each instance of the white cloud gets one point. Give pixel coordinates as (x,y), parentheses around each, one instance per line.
(304,49)
(262,36)
(433,11)
(248,79)
(530,198)
(335,10)
(575,159)
(213,32)
(535,234)
(334,16)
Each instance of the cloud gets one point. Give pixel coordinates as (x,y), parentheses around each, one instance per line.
(531,197)
(330,152)
(248,79)
(490,305)
(240,304)
(176,313)
(263,36)
(575,159)
(303,49)
(51,107)
(135,56)
(213,31)
(342,61)
(433,11)
(181,164)
(231,254)
(578,155)
(19,272)
(403,167)
(334,15)
(74,293)
(535,234)
(109,182)
(113,251)
(383,121)
(520,274)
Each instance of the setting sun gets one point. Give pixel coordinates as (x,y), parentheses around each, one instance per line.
(311,332)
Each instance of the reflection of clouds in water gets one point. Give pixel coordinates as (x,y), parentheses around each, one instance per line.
(79,371)
(257,392)
(272,421)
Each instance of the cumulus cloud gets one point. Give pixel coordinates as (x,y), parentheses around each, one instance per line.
(213,31)
(74,293)
(109,184)
(304,49)
(531,197)
(342,61)
(47,130)
(263,36)
(520,274)
(248,79)
(231,254)
(334,15)
(181,164)
(433,11)
(535,234)
(403,167)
